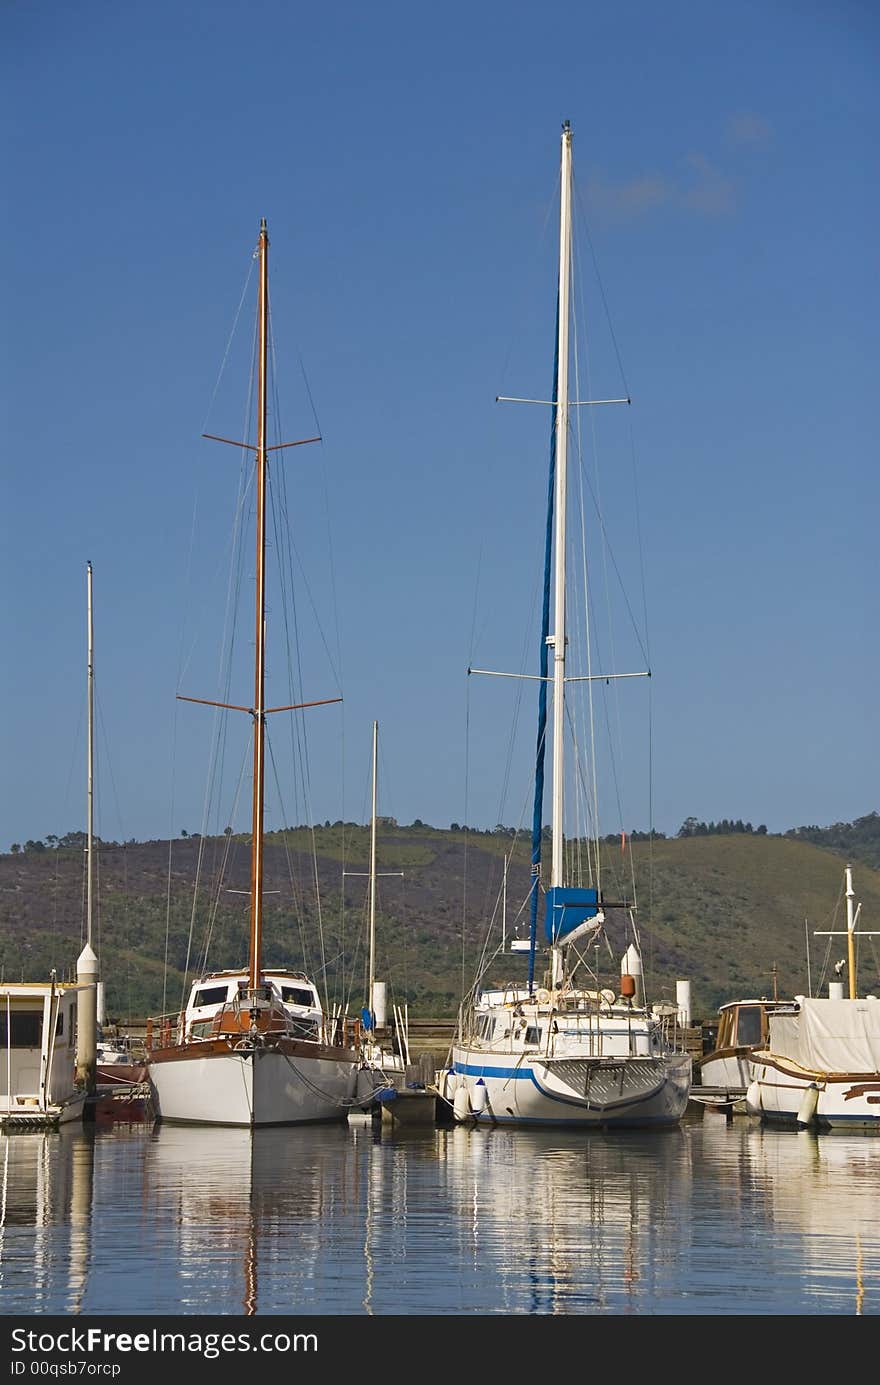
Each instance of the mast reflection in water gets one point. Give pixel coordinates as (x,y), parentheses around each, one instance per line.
(711,1217)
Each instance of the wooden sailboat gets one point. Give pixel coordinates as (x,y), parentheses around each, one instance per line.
(565,1053)
(252,1047)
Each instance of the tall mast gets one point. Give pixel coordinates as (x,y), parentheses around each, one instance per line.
(373,874)
(259,707)
(557,639)
(850,940)
(90,797)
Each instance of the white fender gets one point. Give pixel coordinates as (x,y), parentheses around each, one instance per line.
(809,1101)
(461,1106)
(753,1098)
(480,1097)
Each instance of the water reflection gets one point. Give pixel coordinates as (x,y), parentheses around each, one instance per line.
(46,1216)
(567,1224)
(251,1212)
(713,1217)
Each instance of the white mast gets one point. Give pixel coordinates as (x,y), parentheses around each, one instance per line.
(91,760)
(557,640)
(371,997)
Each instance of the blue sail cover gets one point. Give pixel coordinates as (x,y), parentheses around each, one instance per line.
(567,909)
(538,809)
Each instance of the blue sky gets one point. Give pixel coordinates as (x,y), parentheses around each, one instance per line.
(406,159)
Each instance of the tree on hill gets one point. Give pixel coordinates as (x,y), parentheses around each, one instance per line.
(691,827)
(859,839)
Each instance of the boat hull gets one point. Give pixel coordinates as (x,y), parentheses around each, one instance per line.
(572,1091)
(730,1069)
(23,1115)
(782,1093)
(214,1084)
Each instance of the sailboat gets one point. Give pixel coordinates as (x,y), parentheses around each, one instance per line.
(252,1046)
(820,1063)
(562,1053)
(380,1060)
(388,1081)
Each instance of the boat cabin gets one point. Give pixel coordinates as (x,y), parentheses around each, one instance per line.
(743,1023)
(38,1054)
(512,1021)
(211,994)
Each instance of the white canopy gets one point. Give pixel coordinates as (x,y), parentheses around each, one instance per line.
(830,1035)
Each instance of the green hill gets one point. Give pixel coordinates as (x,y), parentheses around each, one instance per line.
(725,911)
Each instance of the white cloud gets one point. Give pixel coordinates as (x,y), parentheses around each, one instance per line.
(711,191)
(747,128)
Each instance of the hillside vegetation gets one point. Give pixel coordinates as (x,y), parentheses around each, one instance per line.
(727,911)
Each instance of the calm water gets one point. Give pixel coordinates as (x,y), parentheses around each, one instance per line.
(711,1218)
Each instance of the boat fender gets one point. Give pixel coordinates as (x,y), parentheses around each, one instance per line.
(449,1084)
(461,1106)
(753,1098)
(480,1097)
(543,996)
(809,1101)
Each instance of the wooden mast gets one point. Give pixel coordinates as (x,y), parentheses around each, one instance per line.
(259,707)
(259,711)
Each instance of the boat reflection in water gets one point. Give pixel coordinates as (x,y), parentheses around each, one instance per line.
(422,1221)
(822,1202)
(250,1213)
(46,1185)
(711,1217)
(567,1225)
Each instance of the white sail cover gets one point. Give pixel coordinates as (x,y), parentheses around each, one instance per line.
(830,1035)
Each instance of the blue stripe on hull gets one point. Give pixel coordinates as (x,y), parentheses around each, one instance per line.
(507,1073)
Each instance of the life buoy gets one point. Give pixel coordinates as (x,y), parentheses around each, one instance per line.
(543,996)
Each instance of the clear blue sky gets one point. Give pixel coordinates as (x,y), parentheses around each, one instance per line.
(406,156)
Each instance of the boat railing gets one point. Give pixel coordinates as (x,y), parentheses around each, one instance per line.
(343,1031)
(163,1030)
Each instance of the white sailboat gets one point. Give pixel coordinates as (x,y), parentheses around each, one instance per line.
(252,1046)
(564,1053)
(819,1065)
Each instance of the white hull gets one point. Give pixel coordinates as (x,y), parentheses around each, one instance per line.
(732,1072)
(571,1090)
(253,1087)
(783,1093)
(29,1115)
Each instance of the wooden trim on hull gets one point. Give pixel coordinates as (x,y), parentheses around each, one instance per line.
(739,1051)
(792,1069)
(212,1048)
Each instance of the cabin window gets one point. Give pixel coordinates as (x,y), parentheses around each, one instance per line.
(749,1025)
(210,995)
(297,995)
(533,1034)
(484,1026)
(27,1029)
(201,1029)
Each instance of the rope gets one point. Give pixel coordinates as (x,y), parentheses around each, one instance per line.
(316,1091)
